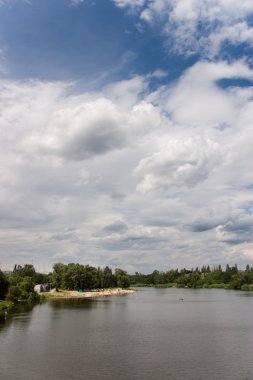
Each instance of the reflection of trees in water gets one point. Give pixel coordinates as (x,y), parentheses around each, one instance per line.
(19,315)
(23,307)
(64,303)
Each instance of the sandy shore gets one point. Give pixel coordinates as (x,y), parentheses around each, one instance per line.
(87,294)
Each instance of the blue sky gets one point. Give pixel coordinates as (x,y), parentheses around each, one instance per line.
(126,133)
(62,41)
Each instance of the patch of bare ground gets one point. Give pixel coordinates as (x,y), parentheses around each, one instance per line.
(87,294)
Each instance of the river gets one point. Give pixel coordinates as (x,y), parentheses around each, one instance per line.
(153,334)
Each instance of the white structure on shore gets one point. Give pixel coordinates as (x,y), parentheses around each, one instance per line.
(42,288)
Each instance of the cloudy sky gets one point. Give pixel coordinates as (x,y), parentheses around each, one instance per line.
(126,133)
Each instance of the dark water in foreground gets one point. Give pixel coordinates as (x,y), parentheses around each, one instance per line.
(148,335)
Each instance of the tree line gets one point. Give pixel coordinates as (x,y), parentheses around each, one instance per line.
(19,285)
(206,277)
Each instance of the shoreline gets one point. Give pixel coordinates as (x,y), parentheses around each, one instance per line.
(5,309)
(67,294)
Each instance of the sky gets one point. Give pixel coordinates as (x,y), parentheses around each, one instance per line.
(126,133)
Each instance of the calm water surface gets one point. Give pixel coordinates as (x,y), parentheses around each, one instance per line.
(151,334)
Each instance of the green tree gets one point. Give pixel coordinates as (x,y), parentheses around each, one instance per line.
(108,279)
(14,293)
(26,271)
(122,278)
(57,275)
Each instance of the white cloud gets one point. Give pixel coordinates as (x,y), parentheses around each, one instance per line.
(127,93)
(235,34)
(133,4)
(201,27)
(203,140)
(178,163)
(197,99)
(127,177)
(48,122)
(82,131)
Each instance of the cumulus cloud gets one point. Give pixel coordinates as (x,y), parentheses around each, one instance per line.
(198,106)
(87,130)
(91,129)
(135,180)
(197,99)
(178,163)
(50,122)
(199,27)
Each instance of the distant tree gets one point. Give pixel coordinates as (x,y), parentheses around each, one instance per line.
(58,274)
(26,271)
(41,278)
(122,278)
(108,279)
(123,282)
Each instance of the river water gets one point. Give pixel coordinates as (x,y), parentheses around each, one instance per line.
(151,334)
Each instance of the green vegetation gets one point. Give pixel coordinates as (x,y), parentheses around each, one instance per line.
(5,306)
(82,277)
(19,285)
(206,277)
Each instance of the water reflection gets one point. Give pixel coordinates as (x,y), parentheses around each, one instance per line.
(149,335)
(62,303)
(248,294)
(20,313)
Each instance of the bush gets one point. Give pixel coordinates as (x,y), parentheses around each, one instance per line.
(22,291)
(14,293)
(247,287)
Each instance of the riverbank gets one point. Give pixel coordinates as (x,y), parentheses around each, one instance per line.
(87,294)
(5,306)
(245,287)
